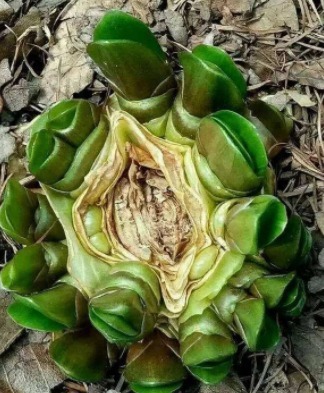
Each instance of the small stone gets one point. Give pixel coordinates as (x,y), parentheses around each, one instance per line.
(316,284)
(5,74)
(321,258)
(176,26)
(7,143)
(5,11)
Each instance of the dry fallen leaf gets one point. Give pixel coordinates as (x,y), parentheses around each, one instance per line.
(319,217)
(7,143)
(309,74)
(275,13)
(308,347)
(69,69)
(5,73)
(236,7)
(28,369)
(10,331)
(229,385)
(31,19)
(302,100)
(176,26)
(316,284)
(5,11)
(279,100)
(19,95)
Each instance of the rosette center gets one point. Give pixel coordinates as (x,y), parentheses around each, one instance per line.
(145,214)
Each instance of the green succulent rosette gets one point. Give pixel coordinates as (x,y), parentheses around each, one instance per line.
(150,231)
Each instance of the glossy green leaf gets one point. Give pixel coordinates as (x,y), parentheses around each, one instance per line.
(148,72)
(223,60)
(64,145)
(212,374)
(257,329)
(225,302)
(205,85)
(272,288)
(17,212)
(53,309)
(126,310)
(249,224)
(72,120)
(47,224)
(291,248)
(227,265)
(32,319)
(34,268)
(50,156)
(118,25)
(81,354)
(272,125)
(233,151)
(145,373)
(294,299)
(247,275)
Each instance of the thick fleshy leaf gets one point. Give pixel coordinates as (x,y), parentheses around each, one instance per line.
(227,265)
(81,354)
(205,85)
(257,329)
(17,212)
(212,374)
(294,299)
(146,374)
(118,25)
(126,310)
(72,120)
(291,248)
(130,57)
(205,340)
(56,308)
(64,145)
(116,59)
(233,151)
(203,262)
(47,224)
(247,225)
(223,60)
(34,268)
(272,288)
(272,125)
(247,275)
(225,302)
(32,319)
(89,271)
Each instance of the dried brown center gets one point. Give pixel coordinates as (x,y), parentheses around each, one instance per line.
(148,219)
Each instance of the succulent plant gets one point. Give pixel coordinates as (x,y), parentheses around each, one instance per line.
(151,228)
